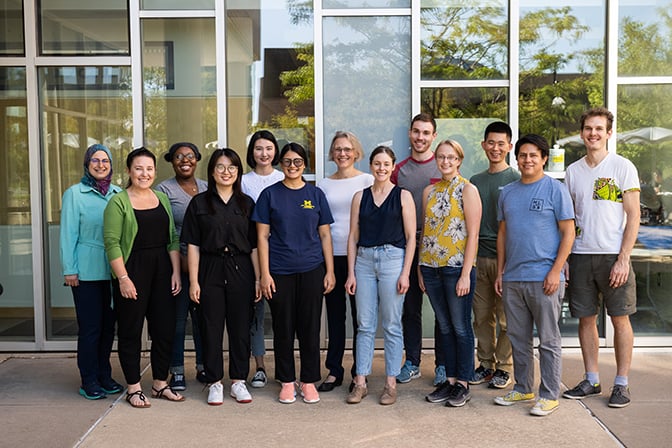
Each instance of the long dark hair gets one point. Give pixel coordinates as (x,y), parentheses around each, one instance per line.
(138,152)
(266,135)
(237,188)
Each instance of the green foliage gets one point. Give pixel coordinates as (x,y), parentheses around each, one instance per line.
(300,83)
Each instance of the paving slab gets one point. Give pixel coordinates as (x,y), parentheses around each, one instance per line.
(332,422)
(40,406)
(646,422)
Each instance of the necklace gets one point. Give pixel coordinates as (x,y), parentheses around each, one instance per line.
(186,187)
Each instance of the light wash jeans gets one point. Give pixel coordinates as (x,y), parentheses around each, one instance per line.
(377,271)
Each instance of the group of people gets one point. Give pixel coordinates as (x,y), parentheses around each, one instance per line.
(496,246)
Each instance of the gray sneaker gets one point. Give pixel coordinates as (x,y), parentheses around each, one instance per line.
(620,396)
(582,390)
(500,379)
(481,375)
(408,372)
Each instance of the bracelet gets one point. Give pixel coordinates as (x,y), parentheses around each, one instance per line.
(123,277)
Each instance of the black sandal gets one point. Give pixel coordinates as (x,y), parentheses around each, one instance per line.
(159,394)
(139,394)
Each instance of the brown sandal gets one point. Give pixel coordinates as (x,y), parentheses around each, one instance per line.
(160,394)
(139,394)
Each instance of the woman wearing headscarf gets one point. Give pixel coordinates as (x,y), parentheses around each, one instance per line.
(87,273)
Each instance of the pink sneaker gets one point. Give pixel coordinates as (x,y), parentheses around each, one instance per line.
(309,393)
(287,393)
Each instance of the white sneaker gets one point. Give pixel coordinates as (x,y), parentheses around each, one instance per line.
(240,393)
(216,394)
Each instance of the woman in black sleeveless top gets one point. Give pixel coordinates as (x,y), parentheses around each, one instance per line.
(380,251)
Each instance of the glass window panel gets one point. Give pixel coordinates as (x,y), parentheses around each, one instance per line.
(462,115)
(80,106)
(16,252)
(464,39)
(11,28)
(356,4)
(270,69)
(179,86)
(91,27)
(645,137)
(644,44)
(178,4)
(562,62)
(367,80)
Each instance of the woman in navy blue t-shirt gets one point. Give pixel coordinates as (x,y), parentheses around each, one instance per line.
(297,268)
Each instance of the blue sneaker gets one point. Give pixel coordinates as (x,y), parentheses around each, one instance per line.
(92,391)
(111,387)
(439,375)
(408,372)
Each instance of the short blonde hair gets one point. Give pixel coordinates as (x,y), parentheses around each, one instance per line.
(354,141)
(453,144)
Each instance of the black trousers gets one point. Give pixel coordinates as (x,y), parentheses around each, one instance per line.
(412,321)
(227,297)
(296,307)
(150,271)
(336,317)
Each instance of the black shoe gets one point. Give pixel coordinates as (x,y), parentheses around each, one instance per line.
(111,387)
(328,387)
(177,382)
(459,397)
(200,377)
(442,392)
(582,390)
(92,391)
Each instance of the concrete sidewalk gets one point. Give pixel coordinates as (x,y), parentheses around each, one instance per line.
(39,406)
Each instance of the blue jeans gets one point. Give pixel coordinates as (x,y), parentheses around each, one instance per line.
(453,314)
(377,271)
(257,329)
(184,306)
(95,319)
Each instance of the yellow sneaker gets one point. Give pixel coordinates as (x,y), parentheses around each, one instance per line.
(513,397)
(544,406)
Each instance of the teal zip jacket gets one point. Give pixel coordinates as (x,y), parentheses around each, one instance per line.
(120,226)
(81,239)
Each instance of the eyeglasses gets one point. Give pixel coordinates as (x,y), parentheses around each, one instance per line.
(343,150)
(189,156)
(450,158)
(96,161)
(232,169)
(298,162)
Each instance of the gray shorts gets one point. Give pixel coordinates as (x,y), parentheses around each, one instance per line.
(589,286)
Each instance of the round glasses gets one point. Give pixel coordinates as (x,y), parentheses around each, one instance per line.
(220,168)
(449,158)
(96,161)
(189,156)
(298,162)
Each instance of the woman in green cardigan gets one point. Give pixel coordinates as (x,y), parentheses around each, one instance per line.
(143,249)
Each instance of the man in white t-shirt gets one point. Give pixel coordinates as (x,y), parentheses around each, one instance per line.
(605,189)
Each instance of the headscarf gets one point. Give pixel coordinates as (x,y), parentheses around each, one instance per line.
(101,186)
